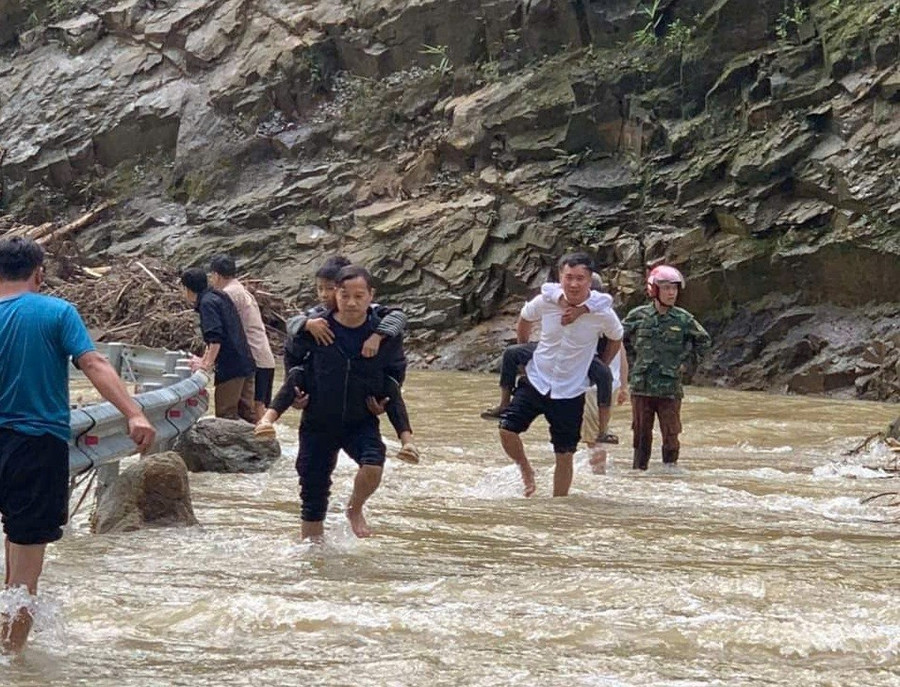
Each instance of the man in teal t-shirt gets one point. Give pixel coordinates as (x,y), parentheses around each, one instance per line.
(38,336)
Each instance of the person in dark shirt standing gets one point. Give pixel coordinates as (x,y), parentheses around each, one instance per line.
(227,350)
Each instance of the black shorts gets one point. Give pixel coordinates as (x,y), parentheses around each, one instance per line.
(563,414)
(34,487)
(317,457)
(265,378)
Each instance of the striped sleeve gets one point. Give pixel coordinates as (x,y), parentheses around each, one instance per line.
(393,323)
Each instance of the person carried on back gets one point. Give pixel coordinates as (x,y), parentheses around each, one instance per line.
(556,377)
(341,383)
(390,324)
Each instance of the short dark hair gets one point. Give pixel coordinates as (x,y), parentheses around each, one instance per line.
(355,272)
(194,279)
(19,258)
(575,260)
(223,265)
(332,267)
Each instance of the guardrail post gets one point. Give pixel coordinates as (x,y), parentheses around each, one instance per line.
(114,354)
(106,475)
(172,360)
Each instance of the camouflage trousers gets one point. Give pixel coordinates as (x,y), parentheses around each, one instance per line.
(644,410)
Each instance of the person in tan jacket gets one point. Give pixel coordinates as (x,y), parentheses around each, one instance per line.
(223,276)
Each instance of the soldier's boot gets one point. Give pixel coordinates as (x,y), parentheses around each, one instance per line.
(670,456)
(641,459)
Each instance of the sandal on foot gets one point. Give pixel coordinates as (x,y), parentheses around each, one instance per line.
(264,430)
(408,453)
(607,438)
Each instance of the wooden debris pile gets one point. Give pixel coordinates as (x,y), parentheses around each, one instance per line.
(133,301)
(140,302)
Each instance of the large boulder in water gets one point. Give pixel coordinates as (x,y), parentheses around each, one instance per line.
(894,429)
(219,445)
(154,492)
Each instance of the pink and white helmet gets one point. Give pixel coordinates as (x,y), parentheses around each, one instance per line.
(663,274)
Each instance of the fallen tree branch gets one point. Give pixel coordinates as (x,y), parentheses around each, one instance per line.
(149,273)
(869,499)
(861,447)
(85,220)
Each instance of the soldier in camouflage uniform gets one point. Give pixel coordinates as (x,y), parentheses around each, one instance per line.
(662,338)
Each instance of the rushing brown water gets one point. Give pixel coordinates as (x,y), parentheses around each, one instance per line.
(753,563)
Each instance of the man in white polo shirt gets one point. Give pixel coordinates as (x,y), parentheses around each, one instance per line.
(557,375)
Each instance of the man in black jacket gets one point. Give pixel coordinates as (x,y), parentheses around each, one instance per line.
(340,381)
(391,323)
(226,350)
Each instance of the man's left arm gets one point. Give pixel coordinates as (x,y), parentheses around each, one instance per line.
(394,358)
(612,329)
(611,350)
(700,339)
(77,343)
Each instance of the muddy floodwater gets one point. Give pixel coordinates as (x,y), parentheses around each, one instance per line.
(753,563)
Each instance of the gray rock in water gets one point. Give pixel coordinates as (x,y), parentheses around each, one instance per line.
(219,445)
(154,492)
(894,429)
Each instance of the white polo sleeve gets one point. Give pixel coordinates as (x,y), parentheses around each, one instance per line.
(533,310)
(612,326)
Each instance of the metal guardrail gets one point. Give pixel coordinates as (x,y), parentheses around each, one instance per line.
(173,399)
(149,368)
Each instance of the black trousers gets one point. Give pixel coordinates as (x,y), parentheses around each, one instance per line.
(317,458)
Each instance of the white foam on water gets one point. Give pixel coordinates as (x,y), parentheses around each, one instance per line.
(847,470)
(746,447)
(502,483)
(769,474)
(49,626)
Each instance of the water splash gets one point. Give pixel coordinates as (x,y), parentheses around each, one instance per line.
(842,470)
(48,619)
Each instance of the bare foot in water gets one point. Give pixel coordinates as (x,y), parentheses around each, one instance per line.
(598,460)
(528,479)
(358,523)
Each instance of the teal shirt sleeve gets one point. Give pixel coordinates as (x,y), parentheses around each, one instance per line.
(74,337)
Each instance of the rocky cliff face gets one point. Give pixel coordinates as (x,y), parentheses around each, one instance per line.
(457,146)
